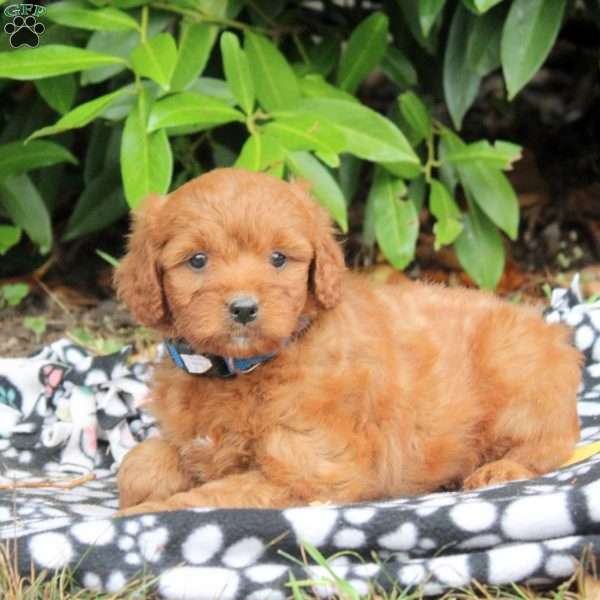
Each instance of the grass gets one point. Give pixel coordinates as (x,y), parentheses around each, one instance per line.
(62,585)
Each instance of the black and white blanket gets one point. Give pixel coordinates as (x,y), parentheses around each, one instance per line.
(64,413)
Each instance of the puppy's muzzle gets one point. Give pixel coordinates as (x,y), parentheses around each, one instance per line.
(244,309)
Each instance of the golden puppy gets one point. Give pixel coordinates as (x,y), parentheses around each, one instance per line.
(309,383)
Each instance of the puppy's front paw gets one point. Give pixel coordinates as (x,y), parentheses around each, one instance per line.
(499,471)
(144,507)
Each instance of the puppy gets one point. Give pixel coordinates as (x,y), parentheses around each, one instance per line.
(292,381)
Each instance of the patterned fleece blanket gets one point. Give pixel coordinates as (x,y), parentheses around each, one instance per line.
(67,414)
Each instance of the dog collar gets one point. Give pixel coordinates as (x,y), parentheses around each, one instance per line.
(213,365)
(210,365)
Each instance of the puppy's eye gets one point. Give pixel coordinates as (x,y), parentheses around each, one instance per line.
(198,261)
(278,260)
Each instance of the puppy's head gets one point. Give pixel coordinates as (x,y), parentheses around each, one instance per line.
(230,261)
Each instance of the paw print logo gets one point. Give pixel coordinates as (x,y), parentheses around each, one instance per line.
(24,31)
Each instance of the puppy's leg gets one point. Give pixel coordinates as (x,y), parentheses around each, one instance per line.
(531,378)
(242,490)
(151,471)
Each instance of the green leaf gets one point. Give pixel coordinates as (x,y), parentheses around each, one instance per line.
(479,249)
(262,152)
(190,108)
(24,205)
(237,71)
(460,83)
(315,86)
(448,216)
(324,187)
(101,204)
(396,220)
(10,236)
(323,56)
(78,14)
(301,131)
(368,134)
(483,43)
(398,68)
(416,192)
(146,158)
(448,173)
(36,325)
(411,12)
(529,33)
(17,157)
(501,155)
(274,80)
(416,115)
(50,60)
(196,41)
(156,59)
(429,10)
(80,115)
(480,6)
(364,51)
(119,43)
(59,92)
(14,293)
(215,88)
(488,187)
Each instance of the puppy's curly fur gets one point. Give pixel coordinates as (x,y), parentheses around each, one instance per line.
(391,390)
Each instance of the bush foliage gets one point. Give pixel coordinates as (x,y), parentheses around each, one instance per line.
(140,96)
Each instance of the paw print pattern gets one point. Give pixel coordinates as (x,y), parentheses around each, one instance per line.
(24,31)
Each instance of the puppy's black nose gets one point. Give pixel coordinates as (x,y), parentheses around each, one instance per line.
(243,310)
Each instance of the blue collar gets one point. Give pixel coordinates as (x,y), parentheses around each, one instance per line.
(210,365)
(213,365)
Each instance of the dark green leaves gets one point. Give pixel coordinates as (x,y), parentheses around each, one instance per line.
(460,83)
(367,134)
(501,155)
(529,33)
(302,131)
(274,80)
(146,159)
(324,187)
(416,115)
(59,92)
(237,71)
(24,205)
(156,59)
(364,51)
(396,219)
(448,223)
(190,108)
(10,236)
(81,115)
(429,11)
(479,249)
(17,158)
(487,186)
(77,14)
(262,152)
(195,43)
(50,60)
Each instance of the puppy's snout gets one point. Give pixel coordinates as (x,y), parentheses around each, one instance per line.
(243,310)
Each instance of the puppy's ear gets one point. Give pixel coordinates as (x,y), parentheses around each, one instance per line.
(137,278)
(328,268)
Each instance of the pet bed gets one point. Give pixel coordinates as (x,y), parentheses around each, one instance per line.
(66,413)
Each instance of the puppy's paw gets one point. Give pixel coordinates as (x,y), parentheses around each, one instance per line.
(143,508)
(499,471)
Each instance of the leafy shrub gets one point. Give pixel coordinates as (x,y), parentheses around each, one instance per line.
(151,93)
